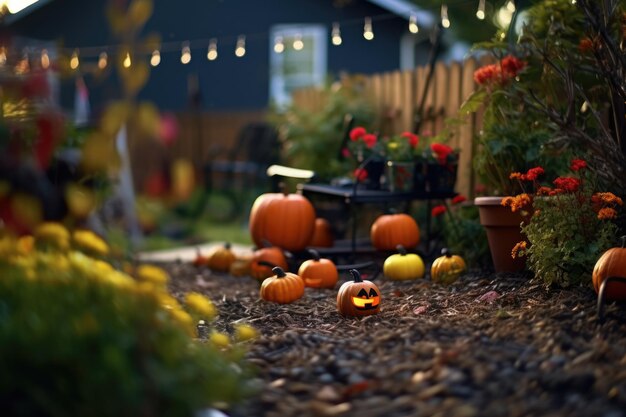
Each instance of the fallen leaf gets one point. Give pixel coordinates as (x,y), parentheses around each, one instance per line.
(488,297)
(421,309)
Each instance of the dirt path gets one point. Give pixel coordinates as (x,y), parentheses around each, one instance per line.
(488,345)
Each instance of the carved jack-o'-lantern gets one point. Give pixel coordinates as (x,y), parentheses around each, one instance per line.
(358,297)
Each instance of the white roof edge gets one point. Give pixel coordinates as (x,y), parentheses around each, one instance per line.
(405,9)
(29,9)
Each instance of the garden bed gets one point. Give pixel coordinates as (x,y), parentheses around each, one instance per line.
(488,345)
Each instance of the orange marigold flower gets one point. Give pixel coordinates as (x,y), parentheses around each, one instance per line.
(556,191)
(607,213)
(543,190)
(585,45)
(506,201)
(519,246)
(606,198)
(516,176)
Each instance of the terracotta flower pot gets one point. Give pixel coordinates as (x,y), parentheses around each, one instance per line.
(503,232)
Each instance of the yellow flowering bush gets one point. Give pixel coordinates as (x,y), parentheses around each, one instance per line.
(570,225)
(75,330)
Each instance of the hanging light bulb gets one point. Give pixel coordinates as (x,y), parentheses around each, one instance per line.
(298,45)
(103,59)
(211,54)
(45,59)
(445,21)
(240,50)
(336,34)
(480,12)
(185,54)
(368,32)
(279,45)
(127,61)
(510,6)
(155,59)
(413,28)
(3,55)
(74,61)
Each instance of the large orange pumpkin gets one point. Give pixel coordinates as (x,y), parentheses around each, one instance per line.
(318,272)
(283,287)
(264,259)
(358,297)
(322,234)
(286,220)
(612,263)
(390,230)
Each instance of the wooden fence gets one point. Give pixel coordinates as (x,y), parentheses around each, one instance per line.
(397,97)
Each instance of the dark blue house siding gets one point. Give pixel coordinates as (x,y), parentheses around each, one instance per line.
(229,83)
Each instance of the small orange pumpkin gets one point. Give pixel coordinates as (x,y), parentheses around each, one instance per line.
(283,287)
(358,297)
(318,272)
(322,234)
(612,263)
(264,259)
(241,265)
(221,258)
(390,230)
(200,259)
(286,220)
(447,268)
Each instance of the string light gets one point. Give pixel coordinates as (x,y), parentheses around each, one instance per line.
(413,28)
(368,32)
(480,12)
(185,54)
(211,54)
(74,61)
(298,45)
(240,50)
(279,45)
(3,55)
(127,61)
(510,6)
(445,22)
(103,59)
(45,59)
(336,34)
(155,59)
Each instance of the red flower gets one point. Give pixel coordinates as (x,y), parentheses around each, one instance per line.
(438,210)
(569,184)
(360,174)
(511,66)
(533,173)
(370,139)
(578,164)
(412,137)
(458,199)
(487,74)
(345,152)
(585,45)
(357,133)
(441,151)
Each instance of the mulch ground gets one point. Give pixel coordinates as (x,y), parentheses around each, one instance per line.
(488,345)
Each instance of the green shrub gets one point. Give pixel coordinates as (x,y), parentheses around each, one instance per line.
(79,338)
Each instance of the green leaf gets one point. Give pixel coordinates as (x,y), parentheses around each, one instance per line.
(474,102)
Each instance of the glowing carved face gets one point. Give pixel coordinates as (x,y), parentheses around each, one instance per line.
(365,300)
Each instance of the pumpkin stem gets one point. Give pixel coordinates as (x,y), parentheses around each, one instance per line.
(282,187)
(401,250)
(227,245)
(356,275)
(266,243)
(315,255)
(446,252)
(280,273)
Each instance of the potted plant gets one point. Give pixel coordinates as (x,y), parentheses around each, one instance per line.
(545,98)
